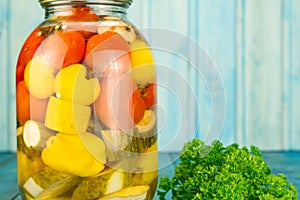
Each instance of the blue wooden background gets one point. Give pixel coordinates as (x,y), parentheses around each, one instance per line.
(254,44)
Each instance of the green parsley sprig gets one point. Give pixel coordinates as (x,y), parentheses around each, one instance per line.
(218,172)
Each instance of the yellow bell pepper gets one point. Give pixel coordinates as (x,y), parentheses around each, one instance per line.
(81,154)
(67,117)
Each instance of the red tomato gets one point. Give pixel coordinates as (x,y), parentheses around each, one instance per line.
(28,50)
(82,16)
(29,107)
(23,101)
(137,106)
(119,105)
(107,54)
(106,41)
(64,48)
(149,94)
(20,73)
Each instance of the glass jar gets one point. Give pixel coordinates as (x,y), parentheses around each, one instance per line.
(86,96)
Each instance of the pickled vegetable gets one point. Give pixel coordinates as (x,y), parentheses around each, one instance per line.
(120,27)
(74,154)
(27,52)
(123,145)
(130,193)
(148,92)
(147,124)
(85,110)
(120,105)
(32,188)
(67,117)
(35,134)
(29,107)
(98,186)
(107,54)
(71,84)
(39,78)
(142,61)
(146,167)
(59,188)
(29,165)
(69,48)
(48,183)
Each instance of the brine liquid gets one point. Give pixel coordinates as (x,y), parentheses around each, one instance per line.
(86,95)
(48,183)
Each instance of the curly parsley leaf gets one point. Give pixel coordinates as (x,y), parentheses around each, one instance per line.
(218,172)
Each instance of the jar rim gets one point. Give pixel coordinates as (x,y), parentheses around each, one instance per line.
(121,3)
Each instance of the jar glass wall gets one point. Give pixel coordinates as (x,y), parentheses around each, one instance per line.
(86,96)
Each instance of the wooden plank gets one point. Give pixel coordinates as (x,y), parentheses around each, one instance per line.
(263,80)
(4,54)
(211,20)
(8,176)
(139,14)
(286,163)
(135,13)
(294,50)
(177,104)
(240,65)
(217,22)
(288,81)
(176,117)
(196,72)
(187,122)
(286,70)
